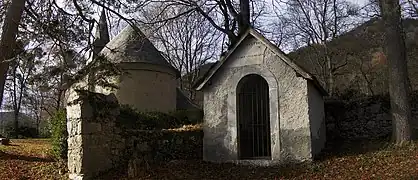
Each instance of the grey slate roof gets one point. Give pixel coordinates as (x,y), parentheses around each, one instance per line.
(131,45)
(204,71)
(183,102)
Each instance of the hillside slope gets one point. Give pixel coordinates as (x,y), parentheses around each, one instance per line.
(360,54)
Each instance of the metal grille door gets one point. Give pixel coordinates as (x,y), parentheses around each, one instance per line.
(253,113)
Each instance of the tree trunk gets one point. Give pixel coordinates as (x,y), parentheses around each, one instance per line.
(244,22)
(8,39)
(330,76)
(329,67)
(16,125)
(15,104)
(398,73)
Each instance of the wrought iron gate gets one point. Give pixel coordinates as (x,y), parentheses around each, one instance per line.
(253,113)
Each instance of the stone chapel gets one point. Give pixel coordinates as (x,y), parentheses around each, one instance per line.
(261,107)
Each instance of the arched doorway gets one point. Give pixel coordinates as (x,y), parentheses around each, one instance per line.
(253,115)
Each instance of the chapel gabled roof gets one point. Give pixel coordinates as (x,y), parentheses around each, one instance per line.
(131,45)
(276,50)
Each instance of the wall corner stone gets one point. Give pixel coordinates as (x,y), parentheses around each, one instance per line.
(91,126)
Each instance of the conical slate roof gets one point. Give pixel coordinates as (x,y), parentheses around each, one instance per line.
(131,45)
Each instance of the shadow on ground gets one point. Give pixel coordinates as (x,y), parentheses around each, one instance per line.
(340,147)
(12,145)
(355,159)
(7,156)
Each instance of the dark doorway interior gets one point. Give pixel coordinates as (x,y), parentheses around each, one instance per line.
(253,113)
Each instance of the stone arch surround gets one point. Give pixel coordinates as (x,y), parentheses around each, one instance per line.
(274,106)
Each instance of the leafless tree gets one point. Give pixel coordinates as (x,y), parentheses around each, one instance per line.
(8,39)
(411,8)
(65,23)
(370,10)
(35,103)
(188,42)
(399,88)
(227,16)
(16,84)
(314,24)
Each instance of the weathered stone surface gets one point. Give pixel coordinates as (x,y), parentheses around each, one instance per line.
(74,127)
(75,160)
(92,145)
(317,119)
(74,112)
(75,142)
(296,145)
(76,176)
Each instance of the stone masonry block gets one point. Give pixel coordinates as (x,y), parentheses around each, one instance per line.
(74,111)
(74,127)
(75,142)
(75,159)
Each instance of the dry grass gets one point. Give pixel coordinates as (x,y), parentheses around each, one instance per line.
(29,159)
(185,128)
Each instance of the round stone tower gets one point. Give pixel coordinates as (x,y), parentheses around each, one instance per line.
(148,82)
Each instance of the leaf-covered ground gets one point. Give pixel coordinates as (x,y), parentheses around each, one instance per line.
(354,160)
(29,159)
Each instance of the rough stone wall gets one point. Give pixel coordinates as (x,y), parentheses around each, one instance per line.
(147,148)
(93,142)
(361,118)
(316,119)
(99,141)
(290,128)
